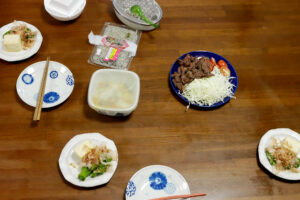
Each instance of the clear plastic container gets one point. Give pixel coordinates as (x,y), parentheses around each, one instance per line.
(112,52)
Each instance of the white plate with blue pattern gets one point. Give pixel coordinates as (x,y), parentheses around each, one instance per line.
(59,85)
(156,181)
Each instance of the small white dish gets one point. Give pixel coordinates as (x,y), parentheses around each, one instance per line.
(23,54)
(156,181)
(130,79)
(69,167)
(64,11)
(59,85)
(279,134)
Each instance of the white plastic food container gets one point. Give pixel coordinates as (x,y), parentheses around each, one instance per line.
(65,10)
(130,79)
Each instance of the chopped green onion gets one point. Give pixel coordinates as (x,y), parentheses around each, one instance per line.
(271,158)
(6,33)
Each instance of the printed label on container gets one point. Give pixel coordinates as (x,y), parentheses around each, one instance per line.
(112,54)
(113,42)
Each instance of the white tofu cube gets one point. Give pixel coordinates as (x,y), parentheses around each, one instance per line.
(293,144)
(12,43)
(82,148)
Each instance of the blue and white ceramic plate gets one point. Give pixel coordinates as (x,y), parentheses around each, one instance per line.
(70,167)
(23,54)
(59,85)
(208,54)
(156,181)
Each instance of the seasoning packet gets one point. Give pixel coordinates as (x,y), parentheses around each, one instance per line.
(115,47)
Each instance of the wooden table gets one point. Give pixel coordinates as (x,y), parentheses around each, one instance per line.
(216,151)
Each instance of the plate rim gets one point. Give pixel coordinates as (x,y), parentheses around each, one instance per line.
(45,105)
(69,145)
(216,105)
(262,156)
(13,58)
(158,166)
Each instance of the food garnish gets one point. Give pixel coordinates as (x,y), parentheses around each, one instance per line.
(95,160)
(283,154)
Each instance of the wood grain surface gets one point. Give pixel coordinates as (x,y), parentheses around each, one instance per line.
(216,151)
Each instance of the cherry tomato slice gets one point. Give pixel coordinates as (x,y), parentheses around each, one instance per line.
(213,63)
(225,71)
(222,63)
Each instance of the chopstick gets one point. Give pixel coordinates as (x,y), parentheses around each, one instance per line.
(39,103)
(180,196)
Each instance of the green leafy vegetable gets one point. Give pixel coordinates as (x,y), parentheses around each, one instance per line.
(85,172)
(94,171)
(6,33)
(271,158)
(297,164)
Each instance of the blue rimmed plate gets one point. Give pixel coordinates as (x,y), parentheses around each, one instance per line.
(156,181)
(59,85)
(208,54)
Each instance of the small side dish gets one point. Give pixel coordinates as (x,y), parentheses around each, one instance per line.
(19,40)
(94,160)
(19,37)
(283,154)
(202,80)
(279,153)
(88,160)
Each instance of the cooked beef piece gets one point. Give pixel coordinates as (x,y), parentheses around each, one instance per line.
(189,69)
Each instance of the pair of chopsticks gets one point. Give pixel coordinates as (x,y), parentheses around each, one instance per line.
(184,196)
(39,104)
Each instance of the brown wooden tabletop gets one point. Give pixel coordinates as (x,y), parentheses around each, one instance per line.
(216,150)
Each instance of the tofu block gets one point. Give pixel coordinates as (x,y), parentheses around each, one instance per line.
(82,148)
(292,144)
(12,43)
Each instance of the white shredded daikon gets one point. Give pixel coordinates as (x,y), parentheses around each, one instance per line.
(208,91)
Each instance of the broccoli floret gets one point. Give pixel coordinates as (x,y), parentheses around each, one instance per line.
(85,172)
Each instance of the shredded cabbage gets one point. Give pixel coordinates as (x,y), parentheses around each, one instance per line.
(208,91)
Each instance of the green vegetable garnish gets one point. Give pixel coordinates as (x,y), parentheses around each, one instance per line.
(85,172)
(297,164)
(271,158)
(6,33)
(28,29)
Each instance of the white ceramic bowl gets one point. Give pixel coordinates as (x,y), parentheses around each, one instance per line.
(130,79)
(134,24)
(61,17)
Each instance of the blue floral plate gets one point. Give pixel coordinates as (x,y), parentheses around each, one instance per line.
(59,85)
(156,181)
(208,54)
